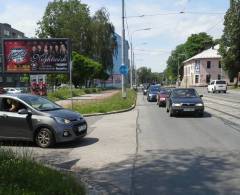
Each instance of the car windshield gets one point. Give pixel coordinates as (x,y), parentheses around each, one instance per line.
(220,82)
(165,91)
(184,93)
(154,88)
(40,103)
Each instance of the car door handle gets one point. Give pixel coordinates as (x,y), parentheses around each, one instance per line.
(3,116)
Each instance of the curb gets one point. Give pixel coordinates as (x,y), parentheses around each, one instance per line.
(113,112)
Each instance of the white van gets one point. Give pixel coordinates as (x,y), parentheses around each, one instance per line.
(217,86)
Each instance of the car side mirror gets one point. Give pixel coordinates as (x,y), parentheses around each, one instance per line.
(201,96)
(24,111)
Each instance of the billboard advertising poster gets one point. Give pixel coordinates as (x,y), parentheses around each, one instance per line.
(36,55)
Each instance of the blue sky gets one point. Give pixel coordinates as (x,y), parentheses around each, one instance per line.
(168,28)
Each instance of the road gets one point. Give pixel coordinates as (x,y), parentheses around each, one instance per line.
(145,151)
(185,155)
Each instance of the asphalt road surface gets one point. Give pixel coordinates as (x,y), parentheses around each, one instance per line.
(184,155)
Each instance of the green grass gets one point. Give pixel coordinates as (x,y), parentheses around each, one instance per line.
(65,93)
(114,103)
(20,175)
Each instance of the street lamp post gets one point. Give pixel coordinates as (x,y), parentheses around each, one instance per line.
(123,46)
(132,55)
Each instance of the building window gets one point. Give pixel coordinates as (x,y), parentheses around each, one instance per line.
(6,32)
(196,79)
(219,64)
(0,59)
(208,64)
(219,77)
(208,78)
(1,79)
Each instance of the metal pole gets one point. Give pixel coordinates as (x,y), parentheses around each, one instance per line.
(131,66)
(71,90)
(123,47)
(178,73)
(135,68)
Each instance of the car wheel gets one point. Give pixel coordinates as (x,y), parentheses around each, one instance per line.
(171,112)
(159,104)
(200,114)
(225,91)
(44,138)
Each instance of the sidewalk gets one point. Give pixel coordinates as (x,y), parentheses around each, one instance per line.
(87,98)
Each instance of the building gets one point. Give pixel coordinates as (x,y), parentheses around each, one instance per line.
(6,31)
(115,79)
(202,68)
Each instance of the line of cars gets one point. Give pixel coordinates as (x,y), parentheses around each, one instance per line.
(176,100)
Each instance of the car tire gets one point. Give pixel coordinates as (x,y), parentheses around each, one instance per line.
(167,110)
(44,138)
(224,91)
(171,112)
(159,104)
(200,114)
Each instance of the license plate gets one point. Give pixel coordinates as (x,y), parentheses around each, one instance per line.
(82,128)
(188,109)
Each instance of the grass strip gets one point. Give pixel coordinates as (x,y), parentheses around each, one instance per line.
(113,103)
(65,93)
(20,175)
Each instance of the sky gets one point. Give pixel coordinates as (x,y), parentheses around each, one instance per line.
(152,48)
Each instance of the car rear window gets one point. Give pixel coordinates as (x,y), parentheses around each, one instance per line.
(220,82)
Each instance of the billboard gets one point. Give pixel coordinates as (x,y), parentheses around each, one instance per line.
(36,56)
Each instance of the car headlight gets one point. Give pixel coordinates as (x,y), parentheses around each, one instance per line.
(176,104)
(199,104)
(62,120)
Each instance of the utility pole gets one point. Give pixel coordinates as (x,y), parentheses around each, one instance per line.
(123,47)
(131,66)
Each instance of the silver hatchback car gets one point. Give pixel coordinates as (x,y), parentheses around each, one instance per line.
(34,118)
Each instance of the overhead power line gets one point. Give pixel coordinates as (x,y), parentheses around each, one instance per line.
(176,13)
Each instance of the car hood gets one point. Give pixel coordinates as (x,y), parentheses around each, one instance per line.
(193,100)
(63,113)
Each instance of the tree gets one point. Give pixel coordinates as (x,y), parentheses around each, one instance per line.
(195,44)
(144,75)
(230,41)
(69,19)
(92,37)
(103,37)
(84,70)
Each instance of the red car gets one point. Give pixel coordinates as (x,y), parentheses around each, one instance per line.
(162,96)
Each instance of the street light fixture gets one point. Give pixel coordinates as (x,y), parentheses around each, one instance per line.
(132,54)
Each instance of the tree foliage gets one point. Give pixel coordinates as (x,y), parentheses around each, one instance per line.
(230,41)
(93,37)
(195,44)
(84,70)
(145,75)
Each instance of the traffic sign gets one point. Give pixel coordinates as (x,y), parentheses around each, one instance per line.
(123,69)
